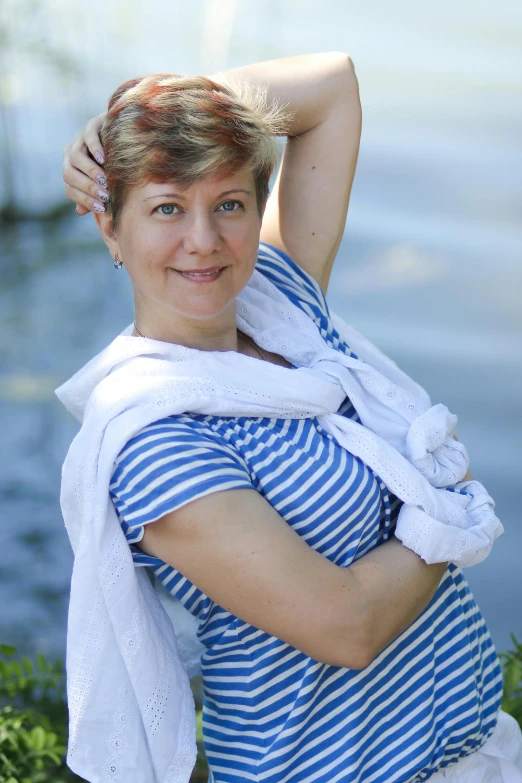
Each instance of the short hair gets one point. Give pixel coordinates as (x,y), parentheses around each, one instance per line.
(184,127)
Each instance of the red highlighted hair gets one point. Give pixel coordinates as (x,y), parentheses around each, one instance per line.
(170,127)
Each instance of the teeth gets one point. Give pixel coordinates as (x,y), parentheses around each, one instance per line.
(201,274)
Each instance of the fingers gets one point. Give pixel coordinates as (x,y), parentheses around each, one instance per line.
(83,199)
(76,179)
(92,138)
(77,156)
(84,179)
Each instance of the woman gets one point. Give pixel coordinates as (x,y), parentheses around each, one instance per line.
(330,651)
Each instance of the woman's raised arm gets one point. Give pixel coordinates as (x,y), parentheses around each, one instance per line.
(306,211)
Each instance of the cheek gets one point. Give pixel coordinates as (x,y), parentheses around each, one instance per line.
(245,236)
(146,247)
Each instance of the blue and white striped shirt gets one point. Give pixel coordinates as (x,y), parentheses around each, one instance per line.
(270,712)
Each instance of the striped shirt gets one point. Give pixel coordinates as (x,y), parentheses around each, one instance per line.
(270,712)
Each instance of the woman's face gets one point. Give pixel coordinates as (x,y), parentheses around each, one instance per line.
(165,231)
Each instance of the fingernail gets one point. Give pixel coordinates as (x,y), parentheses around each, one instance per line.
(99,157)
(76,209)
(101,180)
(103,195)
(98,207)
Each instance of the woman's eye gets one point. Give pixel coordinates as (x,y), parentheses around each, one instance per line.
(229,206)
(166,209)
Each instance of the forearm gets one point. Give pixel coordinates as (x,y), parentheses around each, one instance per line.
(307,85)
(387,589)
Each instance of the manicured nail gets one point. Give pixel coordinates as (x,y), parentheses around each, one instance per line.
(101,180)
(99,157)
(103,195)
(98,207)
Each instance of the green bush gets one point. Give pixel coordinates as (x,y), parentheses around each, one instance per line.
(29,750)
(33,720)
(33,717)
(512,665)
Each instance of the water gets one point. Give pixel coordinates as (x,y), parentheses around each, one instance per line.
(429,267)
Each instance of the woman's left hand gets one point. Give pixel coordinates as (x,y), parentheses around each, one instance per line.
(84,177)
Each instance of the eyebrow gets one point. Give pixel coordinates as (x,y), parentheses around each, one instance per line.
(179,195)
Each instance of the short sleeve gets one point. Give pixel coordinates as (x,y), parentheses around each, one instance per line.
(168,464)
(293,281)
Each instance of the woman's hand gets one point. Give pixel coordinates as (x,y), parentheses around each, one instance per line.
(84,179)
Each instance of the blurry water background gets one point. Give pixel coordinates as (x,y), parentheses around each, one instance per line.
(429,267)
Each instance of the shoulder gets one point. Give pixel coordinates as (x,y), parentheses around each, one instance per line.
(177,435)
(303,291)
(292,280)
(172,462)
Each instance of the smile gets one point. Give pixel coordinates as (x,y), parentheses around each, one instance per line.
(201,277)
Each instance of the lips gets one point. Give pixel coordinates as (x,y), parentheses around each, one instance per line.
(200,276)
(200,271)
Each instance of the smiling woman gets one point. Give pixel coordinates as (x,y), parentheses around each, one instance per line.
(264,462)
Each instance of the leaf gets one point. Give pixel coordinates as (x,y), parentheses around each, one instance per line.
(17,669)
(52,739)
(7,649)
(512,675)
(518,645)
(41,663)
(28,666)
(53,756)
(38,737)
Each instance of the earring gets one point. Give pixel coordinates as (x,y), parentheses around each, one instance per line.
(117,263)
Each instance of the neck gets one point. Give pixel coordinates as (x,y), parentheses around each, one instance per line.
(245,344)
(217,334)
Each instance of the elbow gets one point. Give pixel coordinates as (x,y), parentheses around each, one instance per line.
(349,647)
(363,651)
(343,60)
(347,86)
(345,634)
(352,657)
(349,657)
(345,67)
(339,67)
(359,660)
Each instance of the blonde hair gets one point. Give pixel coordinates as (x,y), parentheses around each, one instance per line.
(181,127)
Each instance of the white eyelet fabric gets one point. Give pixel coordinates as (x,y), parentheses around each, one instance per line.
(132,715)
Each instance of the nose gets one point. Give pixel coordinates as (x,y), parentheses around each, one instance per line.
(202,236)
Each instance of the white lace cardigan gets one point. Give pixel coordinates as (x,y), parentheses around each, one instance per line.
(131,710)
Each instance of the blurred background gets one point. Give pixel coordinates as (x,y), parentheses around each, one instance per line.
(429,267)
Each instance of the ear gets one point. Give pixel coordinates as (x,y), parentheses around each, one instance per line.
(104,222)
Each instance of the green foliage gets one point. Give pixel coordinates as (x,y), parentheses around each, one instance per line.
(33,717)
(33,720)
(512,666)
(30,752)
